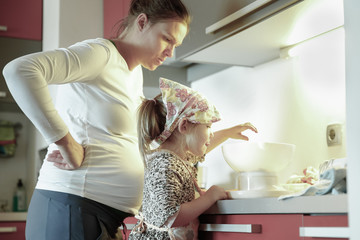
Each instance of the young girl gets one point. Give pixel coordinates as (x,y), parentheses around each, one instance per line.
(180,121)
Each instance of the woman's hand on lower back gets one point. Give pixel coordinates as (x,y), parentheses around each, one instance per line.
(70,155)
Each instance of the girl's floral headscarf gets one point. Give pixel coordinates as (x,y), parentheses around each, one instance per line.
(183,102)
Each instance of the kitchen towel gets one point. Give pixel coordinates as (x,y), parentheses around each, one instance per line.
(332,181)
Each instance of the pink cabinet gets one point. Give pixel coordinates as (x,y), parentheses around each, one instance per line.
(12,230)
(21,19)
(114,11)
(250,227)
(129,222)
(267,226)
(272,226)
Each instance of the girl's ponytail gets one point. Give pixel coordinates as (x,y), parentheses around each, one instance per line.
(151,122)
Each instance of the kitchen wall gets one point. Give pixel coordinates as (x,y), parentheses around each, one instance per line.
(66,22)
(290,100)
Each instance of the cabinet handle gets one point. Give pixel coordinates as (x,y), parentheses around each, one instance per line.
(236,15)
(321,232)
(8,229)
(3,28)
(240,228)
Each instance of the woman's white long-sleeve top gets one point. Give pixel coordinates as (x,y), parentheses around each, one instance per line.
(97,99)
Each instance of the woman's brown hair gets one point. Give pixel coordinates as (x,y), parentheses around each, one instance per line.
(156,10)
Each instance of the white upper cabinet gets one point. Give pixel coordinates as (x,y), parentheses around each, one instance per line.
(248,33)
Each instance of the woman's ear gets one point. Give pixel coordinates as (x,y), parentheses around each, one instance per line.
(183,126)
(141,21)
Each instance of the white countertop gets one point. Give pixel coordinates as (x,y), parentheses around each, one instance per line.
(12,216)
(323,204)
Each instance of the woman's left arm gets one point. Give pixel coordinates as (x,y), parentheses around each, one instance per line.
(234,132)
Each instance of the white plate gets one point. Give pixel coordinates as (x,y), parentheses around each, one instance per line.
(257,193)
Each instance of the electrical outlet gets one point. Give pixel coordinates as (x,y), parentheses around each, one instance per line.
(334,134)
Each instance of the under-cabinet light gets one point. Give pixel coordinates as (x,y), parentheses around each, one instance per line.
(295,49)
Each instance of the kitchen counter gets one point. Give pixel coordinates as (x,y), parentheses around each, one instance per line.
(12,216)
(323,204)
(306,205)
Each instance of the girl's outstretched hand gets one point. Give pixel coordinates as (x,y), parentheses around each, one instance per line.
(232,132)
(236,131)
(70,155)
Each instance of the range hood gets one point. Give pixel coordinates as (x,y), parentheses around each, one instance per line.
(262,42)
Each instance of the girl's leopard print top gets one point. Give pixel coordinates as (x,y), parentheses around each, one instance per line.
(168,184)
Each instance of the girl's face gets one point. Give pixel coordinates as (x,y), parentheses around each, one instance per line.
(199,140)
(159,41)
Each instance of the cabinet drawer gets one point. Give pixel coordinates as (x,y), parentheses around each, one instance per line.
(12,230)
(330,227)
(275,226)
(21,19)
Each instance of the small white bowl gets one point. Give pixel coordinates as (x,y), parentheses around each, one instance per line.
(256,180)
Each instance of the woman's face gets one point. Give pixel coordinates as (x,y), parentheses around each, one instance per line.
(159,41)
(200,139)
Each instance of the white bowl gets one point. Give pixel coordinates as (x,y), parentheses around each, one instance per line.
(256,180)
(258,156)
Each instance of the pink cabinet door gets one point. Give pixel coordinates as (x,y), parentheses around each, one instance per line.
(12,230)
(21,19)
(114,11)
(272,227)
